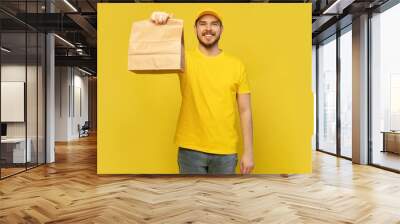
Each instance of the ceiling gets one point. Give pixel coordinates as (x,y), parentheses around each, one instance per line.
(76,22)
(72,20)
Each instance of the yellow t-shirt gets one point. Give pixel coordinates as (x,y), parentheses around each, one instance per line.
(208,120)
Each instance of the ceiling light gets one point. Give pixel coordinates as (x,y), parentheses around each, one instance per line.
(5,50)
(338,6)
(64,40)
(70,5)
(84,71)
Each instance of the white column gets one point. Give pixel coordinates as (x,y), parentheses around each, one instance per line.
(50,93)
(50,110)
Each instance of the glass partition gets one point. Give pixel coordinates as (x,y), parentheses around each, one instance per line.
(22,77)
(14,153)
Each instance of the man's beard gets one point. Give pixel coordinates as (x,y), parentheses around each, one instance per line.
(208,45)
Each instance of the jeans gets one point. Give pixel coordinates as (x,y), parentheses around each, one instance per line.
(196,162)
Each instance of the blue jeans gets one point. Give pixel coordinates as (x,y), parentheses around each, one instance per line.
(196,162)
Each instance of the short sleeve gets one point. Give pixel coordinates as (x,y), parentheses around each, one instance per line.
(243,84)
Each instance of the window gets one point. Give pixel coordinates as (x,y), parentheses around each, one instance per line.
(385,88)
(346,93)
(327,96)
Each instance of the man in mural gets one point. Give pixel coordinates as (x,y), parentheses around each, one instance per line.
(215,92)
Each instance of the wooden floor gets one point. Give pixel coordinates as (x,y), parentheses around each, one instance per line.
(69,191)
(9,171)
(5,172)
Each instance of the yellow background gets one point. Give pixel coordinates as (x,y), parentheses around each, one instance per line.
(137,114)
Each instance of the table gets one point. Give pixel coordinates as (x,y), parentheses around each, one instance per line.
(16,147)
(391,141)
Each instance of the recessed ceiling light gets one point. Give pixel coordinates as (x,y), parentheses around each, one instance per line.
(70,5)
(338,6)
(84,71)
(5,50)
(64,40)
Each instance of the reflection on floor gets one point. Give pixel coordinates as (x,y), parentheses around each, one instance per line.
(386,159)
(13,169)
(10,171)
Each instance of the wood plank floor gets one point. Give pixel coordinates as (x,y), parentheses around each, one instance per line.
(69,191)
(5,172)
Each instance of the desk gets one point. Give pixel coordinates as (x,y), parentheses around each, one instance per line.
(391,141)
(15,148)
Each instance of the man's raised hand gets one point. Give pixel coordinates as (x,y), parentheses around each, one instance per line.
(160,18)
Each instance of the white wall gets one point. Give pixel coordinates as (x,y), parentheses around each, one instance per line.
(17,73)
(12,101)
(71,94)
(14,73)
(81,103)
(62,81)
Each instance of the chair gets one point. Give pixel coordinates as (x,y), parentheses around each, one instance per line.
(84,130)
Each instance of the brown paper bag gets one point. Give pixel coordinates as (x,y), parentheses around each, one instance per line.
(155,47)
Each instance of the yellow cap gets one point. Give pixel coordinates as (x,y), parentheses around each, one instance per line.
(208,12)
